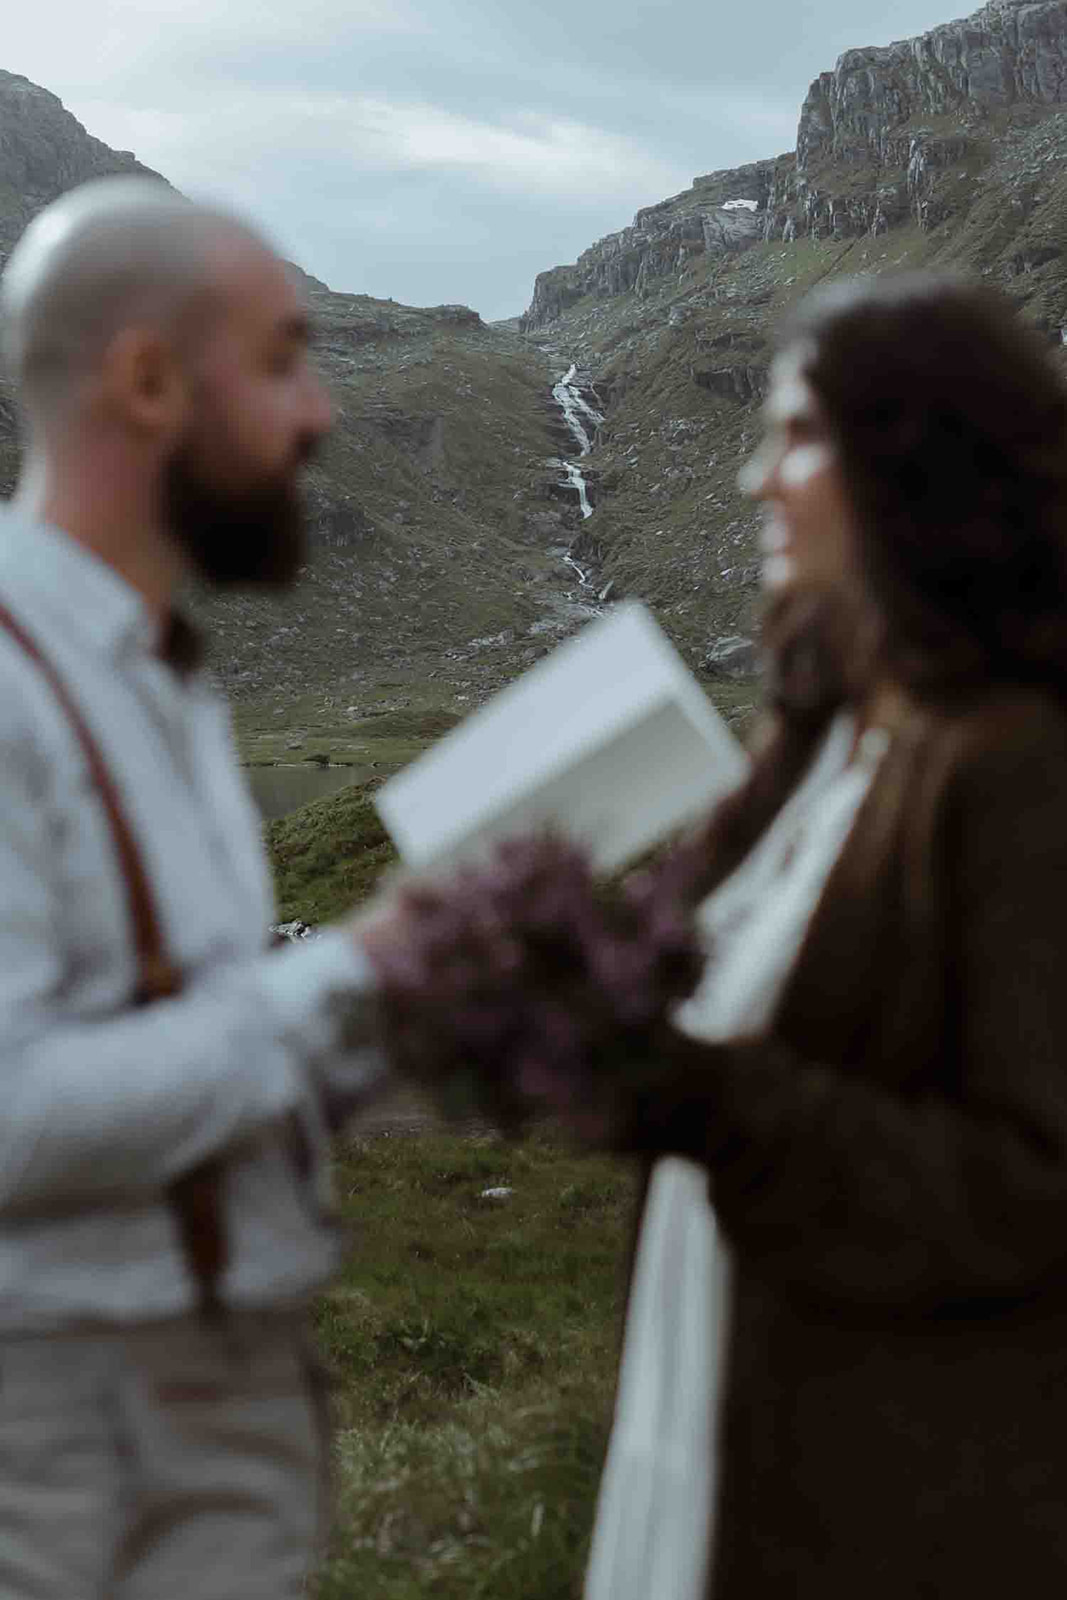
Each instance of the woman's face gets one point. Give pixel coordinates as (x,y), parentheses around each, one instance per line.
(808,532)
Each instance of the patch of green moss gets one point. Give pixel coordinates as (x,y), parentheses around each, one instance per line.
(328,856)
(473,1348)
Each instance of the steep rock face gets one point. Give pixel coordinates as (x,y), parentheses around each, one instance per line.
(891,134)
(719,216)
(945,151)
(1008,51)
(890,131)
(44,151)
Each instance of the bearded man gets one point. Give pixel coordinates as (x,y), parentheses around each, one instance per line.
(168,1085)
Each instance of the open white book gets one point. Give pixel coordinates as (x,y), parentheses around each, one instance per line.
(610,739)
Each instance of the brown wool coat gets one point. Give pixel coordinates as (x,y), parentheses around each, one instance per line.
(890,1168)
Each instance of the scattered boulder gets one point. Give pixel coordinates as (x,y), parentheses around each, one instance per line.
(739,383)
(292,932)
(733,656)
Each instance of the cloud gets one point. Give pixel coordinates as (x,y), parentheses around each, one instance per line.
(327,135)
(441,149)
(410,200)
(531,153)
(114,43)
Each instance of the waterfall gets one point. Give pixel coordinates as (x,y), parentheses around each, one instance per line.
(582,419)
(577,481)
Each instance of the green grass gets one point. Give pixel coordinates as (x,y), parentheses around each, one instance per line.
(328,856)
(474,1347)
(385,733)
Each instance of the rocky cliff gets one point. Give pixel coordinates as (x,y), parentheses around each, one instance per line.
(446,539)
(43,152)
(948,150)
(889,135)
(721,214)
(893,132)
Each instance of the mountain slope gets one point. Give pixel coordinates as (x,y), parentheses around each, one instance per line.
(949,150)
(439,519)
(436,529)
(43,152)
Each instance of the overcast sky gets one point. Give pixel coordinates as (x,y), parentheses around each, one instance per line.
(442,150)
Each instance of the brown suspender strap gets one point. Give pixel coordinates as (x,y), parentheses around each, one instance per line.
(196,1197)
(156,976)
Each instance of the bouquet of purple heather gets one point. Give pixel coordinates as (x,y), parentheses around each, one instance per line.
(523,983)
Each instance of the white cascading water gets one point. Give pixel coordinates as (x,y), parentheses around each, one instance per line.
(577,413)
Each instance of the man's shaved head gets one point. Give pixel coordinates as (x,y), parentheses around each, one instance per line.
(109,254)
(161,350)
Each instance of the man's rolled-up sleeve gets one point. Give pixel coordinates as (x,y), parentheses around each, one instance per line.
(121,1104)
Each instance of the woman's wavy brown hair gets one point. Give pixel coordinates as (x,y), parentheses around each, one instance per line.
(951,425)
(950,421)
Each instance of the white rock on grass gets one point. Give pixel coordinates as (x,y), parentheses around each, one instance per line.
(293,931)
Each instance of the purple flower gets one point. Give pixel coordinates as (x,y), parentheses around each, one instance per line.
(525,977)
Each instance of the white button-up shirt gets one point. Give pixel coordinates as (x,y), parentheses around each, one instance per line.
(103,1104)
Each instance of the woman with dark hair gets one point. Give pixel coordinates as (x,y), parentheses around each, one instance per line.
(871,1075)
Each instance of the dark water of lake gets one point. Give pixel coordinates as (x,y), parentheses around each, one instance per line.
(279,790)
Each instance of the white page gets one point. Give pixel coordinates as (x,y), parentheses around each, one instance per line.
(610,739)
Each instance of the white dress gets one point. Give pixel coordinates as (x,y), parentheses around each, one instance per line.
(653,1534)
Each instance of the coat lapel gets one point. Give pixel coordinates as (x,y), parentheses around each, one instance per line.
(855,998)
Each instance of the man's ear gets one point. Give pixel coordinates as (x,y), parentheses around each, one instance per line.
(144,382)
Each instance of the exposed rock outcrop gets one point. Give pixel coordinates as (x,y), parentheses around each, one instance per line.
(719,216)
(945,151)
(892,134)
(892,131)
(1008,51)
(44,151)
(732,657)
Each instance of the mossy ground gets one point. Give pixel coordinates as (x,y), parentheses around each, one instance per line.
(474,1349)
(329,856)
(473,1344)
(385,731)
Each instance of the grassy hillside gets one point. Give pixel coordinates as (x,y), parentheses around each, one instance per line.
(425,549)
(438,517)
(435,518)
(682,366)
(329,856)
(473,1345)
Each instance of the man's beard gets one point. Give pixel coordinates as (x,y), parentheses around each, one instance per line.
(252,536)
